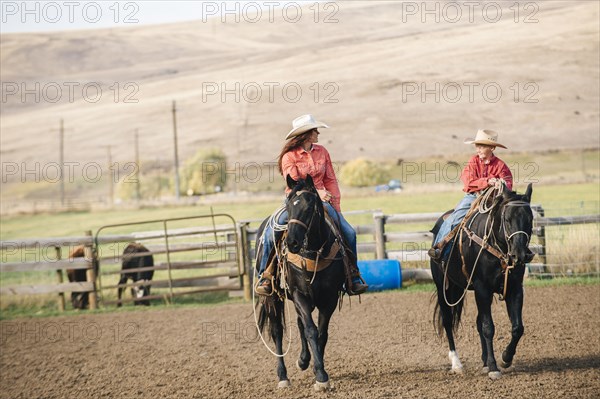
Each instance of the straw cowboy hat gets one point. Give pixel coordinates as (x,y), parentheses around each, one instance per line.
(303,124)
(486,137)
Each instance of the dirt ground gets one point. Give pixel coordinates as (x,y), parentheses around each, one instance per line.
(382,348)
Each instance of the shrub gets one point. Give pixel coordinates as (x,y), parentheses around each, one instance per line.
(362,172)
(152,186)
(204,172)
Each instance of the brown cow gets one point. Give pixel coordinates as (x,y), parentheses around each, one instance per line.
(79,300)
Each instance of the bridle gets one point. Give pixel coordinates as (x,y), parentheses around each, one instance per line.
(308,226)
(508,236)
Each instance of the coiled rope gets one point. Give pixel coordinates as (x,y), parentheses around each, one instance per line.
(275,226)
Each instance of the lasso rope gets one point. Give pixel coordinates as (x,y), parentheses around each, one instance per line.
(483,208)
(275,226)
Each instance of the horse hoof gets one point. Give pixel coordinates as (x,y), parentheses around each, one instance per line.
(283,384)
(485,370)
(495,375)
(508,369)
(456,370)
(505,365)
(322,386)
(299,366)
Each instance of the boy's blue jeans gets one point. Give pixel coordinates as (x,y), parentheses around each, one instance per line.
(456,217)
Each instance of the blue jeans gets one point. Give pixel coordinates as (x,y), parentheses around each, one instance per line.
(347,231)
(456,217)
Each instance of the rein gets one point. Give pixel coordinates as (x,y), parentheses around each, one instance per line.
(506,261)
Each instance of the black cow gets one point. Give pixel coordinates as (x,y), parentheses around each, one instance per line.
(132,260)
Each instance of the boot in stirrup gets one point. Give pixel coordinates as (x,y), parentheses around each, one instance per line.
(358,286)
(264,287)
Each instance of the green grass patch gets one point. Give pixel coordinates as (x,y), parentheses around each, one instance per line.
(560,281)
(564,243)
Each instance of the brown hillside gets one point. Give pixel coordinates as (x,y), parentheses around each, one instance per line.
(365,62)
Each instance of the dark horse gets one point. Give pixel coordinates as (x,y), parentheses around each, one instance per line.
(307,234)
(508,223)
(79,300)
(133,260)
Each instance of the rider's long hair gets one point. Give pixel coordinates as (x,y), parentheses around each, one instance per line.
(291,145)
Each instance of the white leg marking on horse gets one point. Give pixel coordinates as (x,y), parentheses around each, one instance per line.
(456,364)
(283,384)
(322,386)
(495,375)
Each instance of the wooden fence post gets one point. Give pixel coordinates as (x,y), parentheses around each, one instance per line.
(91,272)
(245,260)
(379,219)
(59,275)
(542,239)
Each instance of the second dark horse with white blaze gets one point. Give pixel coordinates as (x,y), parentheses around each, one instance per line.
(307,233)
(508,224)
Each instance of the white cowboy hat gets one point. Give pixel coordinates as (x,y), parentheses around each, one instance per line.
(486,137)
(303,124)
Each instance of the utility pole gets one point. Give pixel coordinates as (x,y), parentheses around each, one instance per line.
(138,196)
(110,177)
(61,162)
(176,153)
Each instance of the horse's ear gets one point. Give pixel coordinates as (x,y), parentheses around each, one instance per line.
(291,183)
(505,191)
(309,181)
(528,192)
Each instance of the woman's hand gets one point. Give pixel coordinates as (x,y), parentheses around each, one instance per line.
(492,182)
(325,195)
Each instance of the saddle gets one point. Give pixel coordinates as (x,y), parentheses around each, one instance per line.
(276,268)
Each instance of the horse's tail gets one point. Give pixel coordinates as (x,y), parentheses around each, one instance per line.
(453,296)
(271,314)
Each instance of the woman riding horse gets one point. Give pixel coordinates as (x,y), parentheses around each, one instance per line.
(299,157)
(312,274)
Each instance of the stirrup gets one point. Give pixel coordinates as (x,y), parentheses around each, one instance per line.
(264,287)
(362,286)
(435,254)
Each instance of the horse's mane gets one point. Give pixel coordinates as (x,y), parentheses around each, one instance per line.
(510,196)
(301,184)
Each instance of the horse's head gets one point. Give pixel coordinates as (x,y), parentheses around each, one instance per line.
(305,210)
(516,220)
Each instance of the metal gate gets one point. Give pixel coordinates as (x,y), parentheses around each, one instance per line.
(191,255)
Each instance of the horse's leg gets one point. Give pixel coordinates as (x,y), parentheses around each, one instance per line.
(445,312)
(483,298)
(304,359)
(514,307)
(304,310)
(484,352)
(276,323)
(325,313)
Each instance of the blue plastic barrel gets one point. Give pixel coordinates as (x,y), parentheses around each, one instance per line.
(381,274)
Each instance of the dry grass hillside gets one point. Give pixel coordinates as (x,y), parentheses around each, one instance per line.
(366,62)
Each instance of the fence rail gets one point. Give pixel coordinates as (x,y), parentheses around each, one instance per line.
(234,270)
